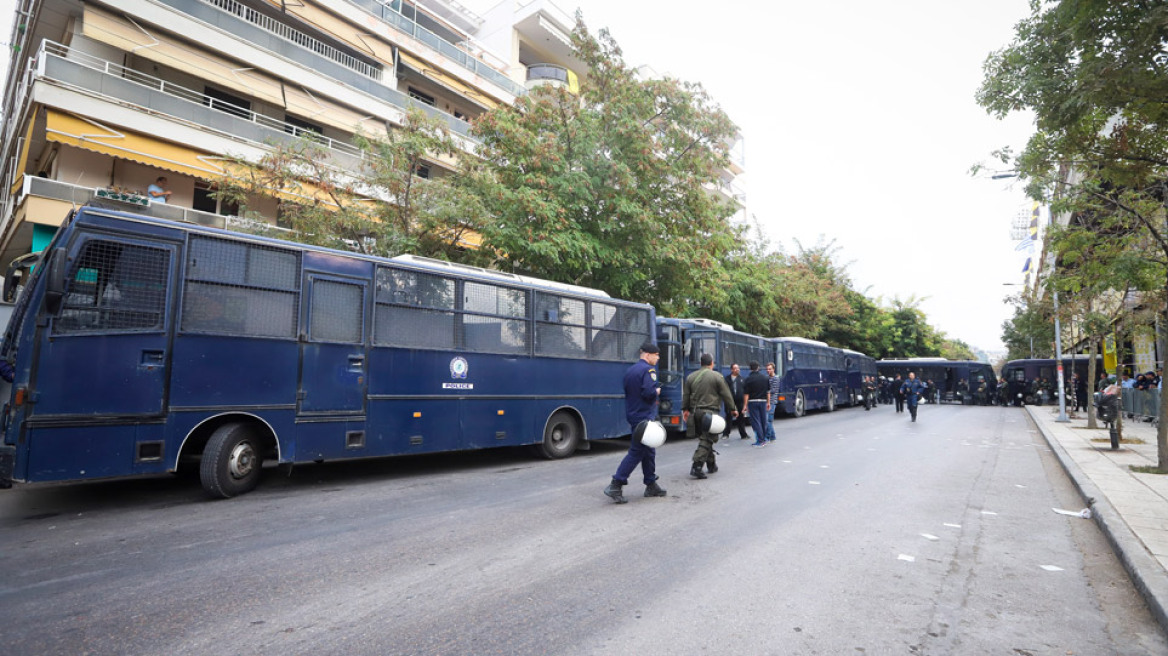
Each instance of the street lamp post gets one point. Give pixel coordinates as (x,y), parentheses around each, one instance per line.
(1058,353)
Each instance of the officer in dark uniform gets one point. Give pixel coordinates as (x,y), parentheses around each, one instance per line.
(640,406)
(911,390)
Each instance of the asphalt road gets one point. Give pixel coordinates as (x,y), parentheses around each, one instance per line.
(858,533)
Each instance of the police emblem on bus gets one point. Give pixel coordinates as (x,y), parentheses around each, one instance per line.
(459,367)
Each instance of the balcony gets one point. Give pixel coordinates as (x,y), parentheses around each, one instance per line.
(115,82)
(450,51)
(206,11)
(76,195)
(551,74)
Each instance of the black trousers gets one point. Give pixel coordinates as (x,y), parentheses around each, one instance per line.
(740,422)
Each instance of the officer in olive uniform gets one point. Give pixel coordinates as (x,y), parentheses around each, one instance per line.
(703,393)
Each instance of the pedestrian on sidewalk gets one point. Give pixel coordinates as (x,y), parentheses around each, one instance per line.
(641,394)
(703,393)
(911,390)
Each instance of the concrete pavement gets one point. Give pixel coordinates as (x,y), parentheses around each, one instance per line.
(1131,508)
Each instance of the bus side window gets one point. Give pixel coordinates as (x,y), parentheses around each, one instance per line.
(414,309)
(115,287)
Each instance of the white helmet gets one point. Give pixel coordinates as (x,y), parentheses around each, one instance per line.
(717,423)
(654,435)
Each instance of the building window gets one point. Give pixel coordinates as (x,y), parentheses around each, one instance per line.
(205,201)
(422,97)
(226,102)
(299,127)
(422,171)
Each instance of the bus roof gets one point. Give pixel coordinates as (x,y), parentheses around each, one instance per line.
(803,340)
(429,262)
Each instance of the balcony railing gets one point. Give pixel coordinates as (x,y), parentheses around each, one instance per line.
(383,10)
(78,195)
(275,27)
(261,38)
(105,78)
(547,72)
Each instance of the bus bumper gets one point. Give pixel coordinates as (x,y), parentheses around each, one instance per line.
(7,462)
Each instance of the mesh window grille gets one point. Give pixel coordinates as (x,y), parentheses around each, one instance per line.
(422,310)
(499,323)
(337,312)
(115,287)
(239,288)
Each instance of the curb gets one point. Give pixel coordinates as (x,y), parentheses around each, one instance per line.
(1145,572)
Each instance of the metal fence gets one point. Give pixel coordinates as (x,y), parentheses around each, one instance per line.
(1143,405)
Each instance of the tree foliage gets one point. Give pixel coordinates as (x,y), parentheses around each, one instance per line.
(382,207)
(1095,75)
(610,189)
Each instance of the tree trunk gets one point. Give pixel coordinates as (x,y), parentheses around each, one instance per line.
(1162,425)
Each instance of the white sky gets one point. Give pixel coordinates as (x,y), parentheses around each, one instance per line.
(860,126)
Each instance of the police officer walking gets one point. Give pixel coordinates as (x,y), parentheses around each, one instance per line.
(898,392)
(911,390)
(703,394)
(641,393)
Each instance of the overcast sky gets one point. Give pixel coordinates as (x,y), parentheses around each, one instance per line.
(860,126)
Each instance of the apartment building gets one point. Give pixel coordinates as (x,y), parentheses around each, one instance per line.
(103,98)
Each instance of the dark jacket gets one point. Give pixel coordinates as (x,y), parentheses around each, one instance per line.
(737,389)
(640,392)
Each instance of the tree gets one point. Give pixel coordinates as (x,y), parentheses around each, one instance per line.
(384,207)
(1094,75)
(610,189)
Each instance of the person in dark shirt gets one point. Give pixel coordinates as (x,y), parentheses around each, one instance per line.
(737,384)
(641,393)
(758,388)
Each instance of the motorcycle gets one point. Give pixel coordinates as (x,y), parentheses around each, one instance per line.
(1107,409)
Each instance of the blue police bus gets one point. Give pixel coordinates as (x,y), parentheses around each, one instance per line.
(682,343)
(142,345)
(859,366)
(812,375)
(1022,376)
(950,381)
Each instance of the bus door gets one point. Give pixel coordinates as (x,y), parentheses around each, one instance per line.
(106,351)
(332,349)
(670,376)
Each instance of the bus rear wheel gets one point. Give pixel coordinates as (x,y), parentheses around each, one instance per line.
(561,436)
(800,404)
(232,461)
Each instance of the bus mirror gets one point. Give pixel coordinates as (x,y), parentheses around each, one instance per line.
(55,286)
(16,273)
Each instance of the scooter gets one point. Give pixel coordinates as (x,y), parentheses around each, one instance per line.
(1107,409)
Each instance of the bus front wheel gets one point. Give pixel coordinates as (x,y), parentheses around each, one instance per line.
(561,436)
(232,461)
(800,404)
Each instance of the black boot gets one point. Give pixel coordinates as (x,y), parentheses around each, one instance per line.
(696,470)
(614,490)
(712,466)
(654,490)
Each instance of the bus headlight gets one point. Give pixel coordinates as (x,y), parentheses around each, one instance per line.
(665,406)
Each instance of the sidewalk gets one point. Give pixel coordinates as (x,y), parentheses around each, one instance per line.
(1130,508)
